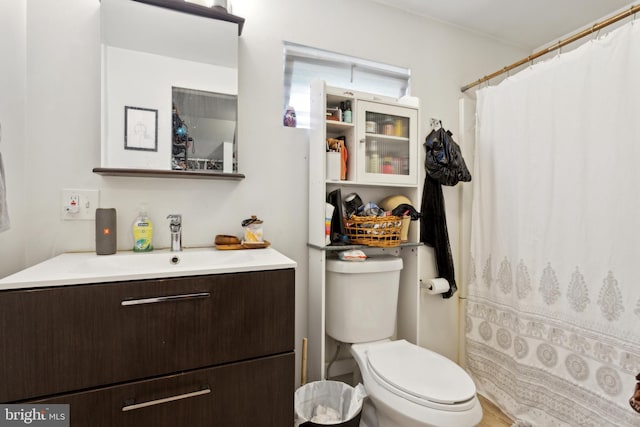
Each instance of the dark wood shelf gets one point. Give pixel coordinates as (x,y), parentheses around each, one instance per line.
(161,173)
(214,12)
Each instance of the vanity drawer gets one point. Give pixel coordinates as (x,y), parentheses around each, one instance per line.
(253,393)
(60,339)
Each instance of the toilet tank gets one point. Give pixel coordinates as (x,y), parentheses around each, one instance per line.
(362,298)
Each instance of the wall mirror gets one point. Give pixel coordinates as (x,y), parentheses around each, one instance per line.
(178,68)
(204,127)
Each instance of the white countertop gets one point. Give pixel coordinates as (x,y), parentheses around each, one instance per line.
(87,267)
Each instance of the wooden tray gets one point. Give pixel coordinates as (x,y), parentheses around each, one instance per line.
(238,246)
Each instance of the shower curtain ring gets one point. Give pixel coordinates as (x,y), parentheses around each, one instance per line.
(597,33)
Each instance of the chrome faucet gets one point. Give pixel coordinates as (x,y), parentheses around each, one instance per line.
(175,225)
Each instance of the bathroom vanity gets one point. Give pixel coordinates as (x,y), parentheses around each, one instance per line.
(206,347)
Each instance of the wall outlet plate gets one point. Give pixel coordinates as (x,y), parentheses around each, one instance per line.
(79,204)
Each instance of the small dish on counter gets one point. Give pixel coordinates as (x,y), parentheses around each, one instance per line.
(226,239)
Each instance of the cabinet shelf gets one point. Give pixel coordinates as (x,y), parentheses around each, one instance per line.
(336,126)
(335,248)
(214,12)
(368,184)
(384,137)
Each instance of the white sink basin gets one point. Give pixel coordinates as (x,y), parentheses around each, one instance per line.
(78,268)
(134,262)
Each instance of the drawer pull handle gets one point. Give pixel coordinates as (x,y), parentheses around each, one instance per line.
(165,400)
(168,298)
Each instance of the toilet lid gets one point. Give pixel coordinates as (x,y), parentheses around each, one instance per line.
(421,373)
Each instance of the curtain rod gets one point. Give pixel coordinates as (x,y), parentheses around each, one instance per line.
(596,27)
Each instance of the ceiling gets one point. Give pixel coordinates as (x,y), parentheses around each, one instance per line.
(528,24)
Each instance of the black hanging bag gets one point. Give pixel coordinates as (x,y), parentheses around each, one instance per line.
(444,162)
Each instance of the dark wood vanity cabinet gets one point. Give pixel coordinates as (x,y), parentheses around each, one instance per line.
(199,351)
(257,392)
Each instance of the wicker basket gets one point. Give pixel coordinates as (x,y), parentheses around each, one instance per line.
(379,231)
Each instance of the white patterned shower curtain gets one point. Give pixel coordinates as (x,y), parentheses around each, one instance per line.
(553,314)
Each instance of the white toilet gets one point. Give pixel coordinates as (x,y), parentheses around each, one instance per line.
(408,385)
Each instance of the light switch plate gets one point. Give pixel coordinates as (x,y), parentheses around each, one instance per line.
(79,204)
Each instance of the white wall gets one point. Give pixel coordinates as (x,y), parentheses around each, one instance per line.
(62,142)
(62,121)
(12,135)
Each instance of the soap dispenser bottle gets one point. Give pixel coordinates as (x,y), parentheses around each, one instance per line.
(142,232)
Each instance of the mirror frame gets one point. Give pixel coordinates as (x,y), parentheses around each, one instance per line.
(124,32)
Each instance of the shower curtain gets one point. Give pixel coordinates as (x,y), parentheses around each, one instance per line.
(553,312)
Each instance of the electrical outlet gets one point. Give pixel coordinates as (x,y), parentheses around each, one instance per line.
(79,204)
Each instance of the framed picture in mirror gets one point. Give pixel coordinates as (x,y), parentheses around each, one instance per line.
(140,129)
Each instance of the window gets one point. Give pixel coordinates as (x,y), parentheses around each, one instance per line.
(303,64)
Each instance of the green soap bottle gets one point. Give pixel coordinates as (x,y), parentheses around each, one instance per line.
(142,232)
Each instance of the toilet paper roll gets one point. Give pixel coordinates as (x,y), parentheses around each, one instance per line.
(436,286)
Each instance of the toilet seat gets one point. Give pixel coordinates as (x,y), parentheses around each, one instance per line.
(421,376)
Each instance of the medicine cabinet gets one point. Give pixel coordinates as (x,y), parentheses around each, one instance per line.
(387,144)
(172,77)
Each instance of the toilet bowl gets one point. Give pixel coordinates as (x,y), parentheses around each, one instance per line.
(408,385)
(411,386)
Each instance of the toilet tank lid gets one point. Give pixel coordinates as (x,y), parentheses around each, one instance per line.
(374,264)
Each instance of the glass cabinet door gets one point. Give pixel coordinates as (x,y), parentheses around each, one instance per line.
(388,141)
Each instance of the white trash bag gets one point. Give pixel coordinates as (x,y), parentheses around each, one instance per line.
(328,402)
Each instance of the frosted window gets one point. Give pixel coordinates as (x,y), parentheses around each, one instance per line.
(303,64)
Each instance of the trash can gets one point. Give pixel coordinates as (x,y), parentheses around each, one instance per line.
(322,403)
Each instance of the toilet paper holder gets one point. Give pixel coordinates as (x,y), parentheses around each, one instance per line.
(435,286)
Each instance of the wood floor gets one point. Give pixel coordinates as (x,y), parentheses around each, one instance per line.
(492,416)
